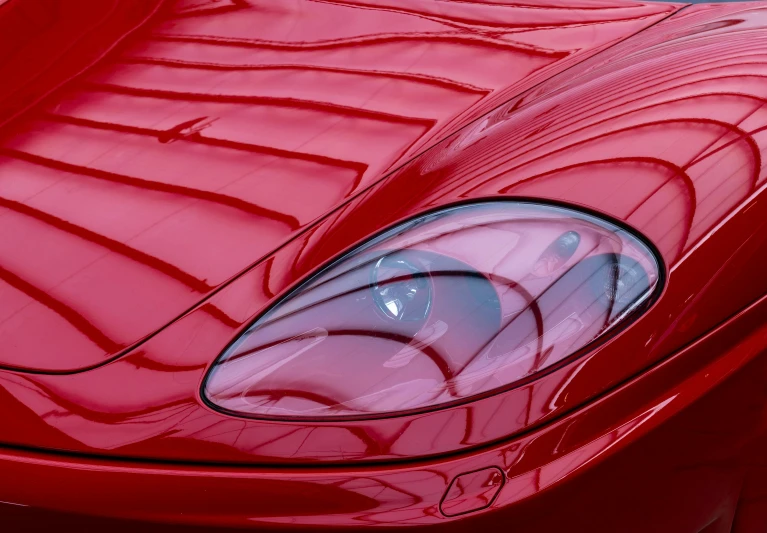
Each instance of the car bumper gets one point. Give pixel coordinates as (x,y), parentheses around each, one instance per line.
(676,449)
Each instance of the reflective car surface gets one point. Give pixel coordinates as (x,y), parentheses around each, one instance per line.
(324,264)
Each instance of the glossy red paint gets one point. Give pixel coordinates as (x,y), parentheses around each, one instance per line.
(215,132)
(126,169)
(666,452)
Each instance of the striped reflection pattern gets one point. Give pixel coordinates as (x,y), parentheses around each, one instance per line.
(173,157)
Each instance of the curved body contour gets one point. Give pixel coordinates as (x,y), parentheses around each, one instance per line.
(175,168)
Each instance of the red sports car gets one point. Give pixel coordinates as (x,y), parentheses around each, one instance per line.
(469,265)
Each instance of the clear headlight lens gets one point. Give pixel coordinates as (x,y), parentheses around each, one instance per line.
(437,310)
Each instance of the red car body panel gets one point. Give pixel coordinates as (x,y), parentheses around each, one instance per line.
(214,133)
(138,194)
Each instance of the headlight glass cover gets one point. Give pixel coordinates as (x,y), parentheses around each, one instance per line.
(444,308)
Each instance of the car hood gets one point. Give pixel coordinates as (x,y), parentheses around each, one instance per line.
(152,151)
(664,131)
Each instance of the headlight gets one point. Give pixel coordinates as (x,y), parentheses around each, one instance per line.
(438,310)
